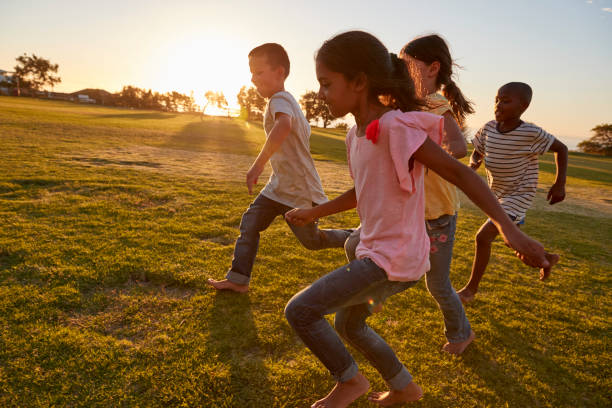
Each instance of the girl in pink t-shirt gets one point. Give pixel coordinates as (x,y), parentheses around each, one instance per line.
(387,151)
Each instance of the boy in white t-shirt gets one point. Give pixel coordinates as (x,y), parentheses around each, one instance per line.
(510,149)
(294,182)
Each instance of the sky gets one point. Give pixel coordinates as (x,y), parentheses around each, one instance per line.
(560,47)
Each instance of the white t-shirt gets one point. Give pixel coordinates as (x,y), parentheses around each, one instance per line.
(511,162)
(294,180)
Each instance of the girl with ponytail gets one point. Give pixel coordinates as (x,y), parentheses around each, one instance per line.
(430,66)
(387,150)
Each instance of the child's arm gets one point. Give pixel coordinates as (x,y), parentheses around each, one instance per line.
(303,216)
(278,134)
(556,193)
(430,154)
(453,141)
(475,160)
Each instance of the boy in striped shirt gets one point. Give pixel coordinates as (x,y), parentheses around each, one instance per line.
(510,148)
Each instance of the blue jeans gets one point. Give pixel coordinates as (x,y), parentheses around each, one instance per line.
(256,219)
(441,232)
(347,291)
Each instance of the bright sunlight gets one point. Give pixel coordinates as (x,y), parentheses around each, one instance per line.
(215,63)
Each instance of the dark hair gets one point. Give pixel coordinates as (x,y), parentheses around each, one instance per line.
(275,53)
(521,89)
(432,48)
(356,52)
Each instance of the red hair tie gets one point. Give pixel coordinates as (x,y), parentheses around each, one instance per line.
(372,131)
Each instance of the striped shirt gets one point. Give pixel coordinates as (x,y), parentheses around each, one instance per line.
(511,162)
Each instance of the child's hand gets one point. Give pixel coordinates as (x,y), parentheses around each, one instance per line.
(252,176)
(300,216)
(475,160)
(474,165)
(556,194)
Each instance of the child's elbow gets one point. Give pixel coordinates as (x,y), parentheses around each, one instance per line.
(559,147)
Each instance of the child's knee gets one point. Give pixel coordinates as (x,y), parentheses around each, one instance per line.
(485,237)
(299,314)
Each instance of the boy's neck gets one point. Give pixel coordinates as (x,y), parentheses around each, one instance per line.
(277,90)
(509,124)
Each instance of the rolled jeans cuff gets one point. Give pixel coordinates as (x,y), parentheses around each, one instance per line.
(347,374)
(400,380)
(237,278)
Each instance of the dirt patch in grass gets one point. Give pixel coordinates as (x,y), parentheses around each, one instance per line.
(582,200)
(213,165)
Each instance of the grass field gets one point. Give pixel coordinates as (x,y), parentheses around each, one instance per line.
(111,220)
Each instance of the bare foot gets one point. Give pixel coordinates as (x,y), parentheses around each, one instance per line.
(552,260)
(344,393)
(410,393)
(227,285)
(466,295)
(458,348)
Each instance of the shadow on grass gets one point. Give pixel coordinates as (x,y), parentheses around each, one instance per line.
(234,340)
(9,259)
(214,135)
(103,162)
(152,115)
(504,381)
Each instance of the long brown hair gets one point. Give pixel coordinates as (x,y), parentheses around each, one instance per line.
(355,52)
(432,48)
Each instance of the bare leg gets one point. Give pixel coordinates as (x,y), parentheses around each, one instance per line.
(484,238)
(410,393)
(344,393)
(227,285)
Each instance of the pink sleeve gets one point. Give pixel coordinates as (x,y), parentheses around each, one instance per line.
(403,142)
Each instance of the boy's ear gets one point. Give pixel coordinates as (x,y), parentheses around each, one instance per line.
(280,70)
(434,68)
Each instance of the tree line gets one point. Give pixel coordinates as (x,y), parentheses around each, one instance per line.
(34,73)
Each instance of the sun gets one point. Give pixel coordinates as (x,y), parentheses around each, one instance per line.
(215,63)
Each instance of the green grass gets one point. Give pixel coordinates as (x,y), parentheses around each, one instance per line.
(103,262)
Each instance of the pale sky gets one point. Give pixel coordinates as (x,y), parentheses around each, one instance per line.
(560,47)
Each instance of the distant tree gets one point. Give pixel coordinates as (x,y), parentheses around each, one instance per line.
(210,98)
(130,96)
(35,72)
(600,142)
(315,109)
(252,104)
(221,102)
(341,125)
(215,99)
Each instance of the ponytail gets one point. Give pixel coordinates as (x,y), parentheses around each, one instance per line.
(460,106)
(432,48)
(357,52)
(398,91)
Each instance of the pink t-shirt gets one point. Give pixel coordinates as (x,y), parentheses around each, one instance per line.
(390,193)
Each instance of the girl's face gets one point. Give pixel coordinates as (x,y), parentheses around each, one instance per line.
(419,71)
(336,91)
